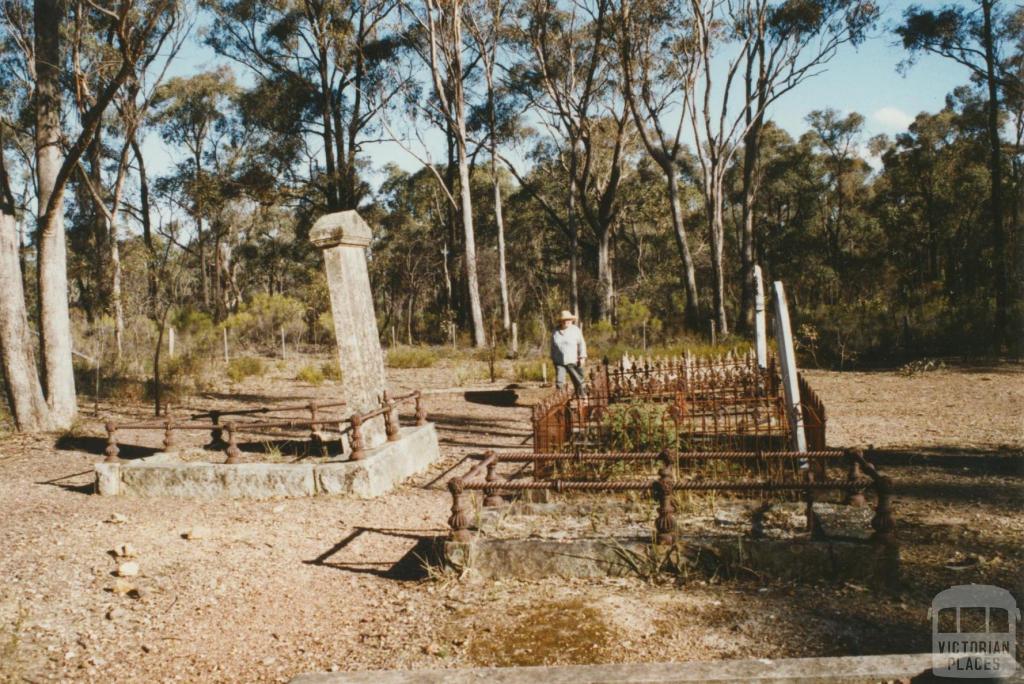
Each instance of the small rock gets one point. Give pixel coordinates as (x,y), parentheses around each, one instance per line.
(432,649)
(269,661)
(117,519)
(116,613)
(278,509)
(125,550)
(196,533)
(123,587)
(128,569)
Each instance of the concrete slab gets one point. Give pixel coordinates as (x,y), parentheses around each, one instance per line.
(793,559)
(383,467)
(837,670)
(166,475)
(216,480)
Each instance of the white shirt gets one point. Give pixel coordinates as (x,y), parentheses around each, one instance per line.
(567,346)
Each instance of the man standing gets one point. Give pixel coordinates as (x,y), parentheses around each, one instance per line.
(568,352)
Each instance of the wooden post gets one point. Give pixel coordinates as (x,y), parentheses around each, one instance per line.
(227,358)
(515,340)
(787,361)
(282,343)
(544,372)
(712,322)
(170,342)
(760,329)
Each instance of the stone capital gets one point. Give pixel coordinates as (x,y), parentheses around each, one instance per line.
(340,228)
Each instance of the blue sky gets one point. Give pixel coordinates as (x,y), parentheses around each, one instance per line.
(863,79)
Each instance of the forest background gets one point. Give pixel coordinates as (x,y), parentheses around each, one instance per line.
(614,157)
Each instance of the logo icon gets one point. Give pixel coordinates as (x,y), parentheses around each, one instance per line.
(974,632)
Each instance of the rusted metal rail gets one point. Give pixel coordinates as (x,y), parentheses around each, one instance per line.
(316,423)
(860,476)
(683,403)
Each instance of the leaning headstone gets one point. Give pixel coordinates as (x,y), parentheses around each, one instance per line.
(760,329)
(343,238)
(787,362)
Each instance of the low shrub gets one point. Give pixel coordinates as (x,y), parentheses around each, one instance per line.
(311,374)
(411,357)
(331,370)
(532,371)
(242,367)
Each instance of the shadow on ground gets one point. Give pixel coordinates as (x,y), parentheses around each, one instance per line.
(412,567)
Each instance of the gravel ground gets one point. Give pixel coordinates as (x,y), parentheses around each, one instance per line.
(261,591)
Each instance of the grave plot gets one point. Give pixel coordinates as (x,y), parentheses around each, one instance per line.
(675,465)
(375,452)
(292,450)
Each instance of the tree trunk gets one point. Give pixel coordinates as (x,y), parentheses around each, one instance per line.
(506,316)
(574,256)
(1001,279)
(55,321)
(689,272)
(751,150)
(466,203)
(203,275)
(147,226)
(716,225)
(606,303)
(21,379)
(116,303)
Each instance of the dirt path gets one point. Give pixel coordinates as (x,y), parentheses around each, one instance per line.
(274,588)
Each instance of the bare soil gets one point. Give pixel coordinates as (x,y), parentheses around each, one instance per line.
(265,590)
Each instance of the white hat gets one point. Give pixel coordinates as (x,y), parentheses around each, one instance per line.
(566,315)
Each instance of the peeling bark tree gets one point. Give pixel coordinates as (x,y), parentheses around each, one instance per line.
(575,89)
(21,379)
(54,318)
(651,84)
(784,44)
(441,21)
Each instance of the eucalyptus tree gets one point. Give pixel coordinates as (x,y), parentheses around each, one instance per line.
(977,36)
(35,41)
(24,392)
(572,79)
(752,52)
(106,178)
(441,41)
(193,112)
(487,23)
(323,75)
(656,89)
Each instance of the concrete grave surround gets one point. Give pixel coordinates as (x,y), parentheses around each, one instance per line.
(165,474)
(833,670)
(847,553)
(343,237)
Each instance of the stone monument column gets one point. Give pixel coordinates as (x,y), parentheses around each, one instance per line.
(343,237)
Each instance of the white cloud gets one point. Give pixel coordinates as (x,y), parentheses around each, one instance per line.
(892,119)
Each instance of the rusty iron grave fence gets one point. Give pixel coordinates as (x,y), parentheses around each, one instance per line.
(316,426)
(680,473)
(680,404)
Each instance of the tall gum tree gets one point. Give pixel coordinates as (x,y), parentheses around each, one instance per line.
(131,25)
(656,88)
(440,23)
(776,46)
(572,81)
(975,37)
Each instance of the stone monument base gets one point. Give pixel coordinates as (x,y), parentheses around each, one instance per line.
(165,474)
